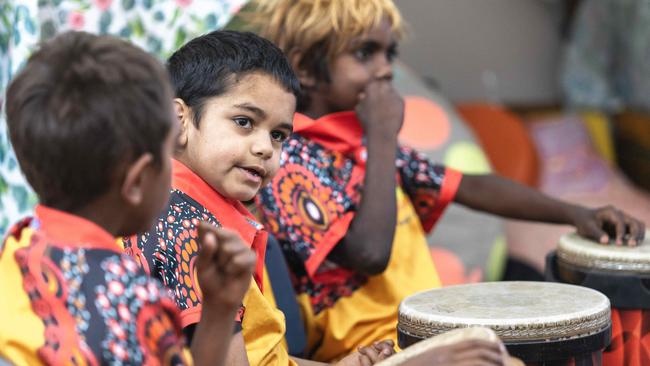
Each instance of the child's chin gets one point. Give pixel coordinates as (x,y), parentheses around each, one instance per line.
(243,195)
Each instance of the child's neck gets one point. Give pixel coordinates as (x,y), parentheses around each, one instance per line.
(317,108)
(104,213)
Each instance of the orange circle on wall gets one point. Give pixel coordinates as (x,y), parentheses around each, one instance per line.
(426,125)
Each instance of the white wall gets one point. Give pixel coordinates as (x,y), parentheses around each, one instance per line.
(498,50)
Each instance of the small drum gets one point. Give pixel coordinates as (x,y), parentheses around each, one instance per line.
(418,353)
(621,273)
(539,322)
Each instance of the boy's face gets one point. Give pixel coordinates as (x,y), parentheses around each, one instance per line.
(369,58)
(236,148)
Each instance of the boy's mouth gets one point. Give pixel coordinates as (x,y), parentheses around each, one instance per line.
(255,173)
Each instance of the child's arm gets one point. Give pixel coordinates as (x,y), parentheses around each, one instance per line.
(367,245)
(224,269)
(500,196)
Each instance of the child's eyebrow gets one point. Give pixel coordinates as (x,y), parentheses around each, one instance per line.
(369,44)
(253,109)
(287,126)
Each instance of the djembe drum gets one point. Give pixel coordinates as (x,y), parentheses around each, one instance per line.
(622,273)
(541,323)
(421,352)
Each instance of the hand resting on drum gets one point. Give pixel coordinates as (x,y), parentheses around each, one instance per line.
(365,356)
(500,196)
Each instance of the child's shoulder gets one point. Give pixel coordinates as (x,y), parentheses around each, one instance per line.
(301,149)
(183,213)
(177,224)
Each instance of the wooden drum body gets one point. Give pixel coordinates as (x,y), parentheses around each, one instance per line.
(539,322)
(621,273)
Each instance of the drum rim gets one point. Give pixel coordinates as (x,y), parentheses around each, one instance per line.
(523,330)
(572,249)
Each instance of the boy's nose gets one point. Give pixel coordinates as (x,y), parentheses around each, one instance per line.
(384,70)
(262,147)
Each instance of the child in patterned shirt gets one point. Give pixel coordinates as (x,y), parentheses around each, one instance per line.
(91,122)
(349,205)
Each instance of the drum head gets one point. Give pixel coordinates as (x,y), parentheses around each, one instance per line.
(516,311)
(578,251)
(537,321)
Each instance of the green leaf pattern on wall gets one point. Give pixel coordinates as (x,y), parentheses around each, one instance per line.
(158,26)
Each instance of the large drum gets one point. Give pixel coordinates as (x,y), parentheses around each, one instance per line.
(621,273)
(541,323)
(421,352)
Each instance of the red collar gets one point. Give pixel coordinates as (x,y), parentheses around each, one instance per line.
(231,214)
(63,227)
(339,131)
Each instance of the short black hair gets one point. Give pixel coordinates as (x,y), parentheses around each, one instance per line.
(83,107)
(206,66)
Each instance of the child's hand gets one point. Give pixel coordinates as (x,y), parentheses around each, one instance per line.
(607,224)
(369,355)
(464,353)
(381,110)
(224,267)
(386,348)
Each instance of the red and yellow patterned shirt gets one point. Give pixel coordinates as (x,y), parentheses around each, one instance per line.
(71,297)
(309,206)
(169,251)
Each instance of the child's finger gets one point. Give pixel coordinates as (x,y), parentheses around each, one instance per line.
(227,235)
(242,263)
(593,230)
(634,228)
(641,234)
(385,348)
(372,353)
(227,251)
(208,244)
(613,217)
(230,243)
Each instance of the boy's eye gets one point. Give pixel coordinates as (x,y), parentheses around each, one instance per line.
(243,122)
(392,54)
(278,136)
(362,54)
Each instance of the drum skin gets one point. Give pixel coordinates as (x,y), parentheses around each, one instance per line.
(539,322)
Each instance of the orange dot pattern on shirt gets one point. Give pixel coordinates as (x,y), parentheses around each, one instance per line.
(314,189)
(170,249)
(309,205)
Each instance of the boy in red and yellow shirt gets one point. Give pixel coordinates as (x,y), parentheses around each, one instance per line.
(235,100)
(91,122)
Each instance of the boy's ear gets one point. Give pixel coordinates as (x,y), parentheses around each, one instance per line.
(182,112)
(306,79)
(135,181)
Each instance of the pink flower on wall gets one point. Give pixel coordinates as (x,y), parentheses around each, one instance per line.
(103,4)
(76,20)
(183,3)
